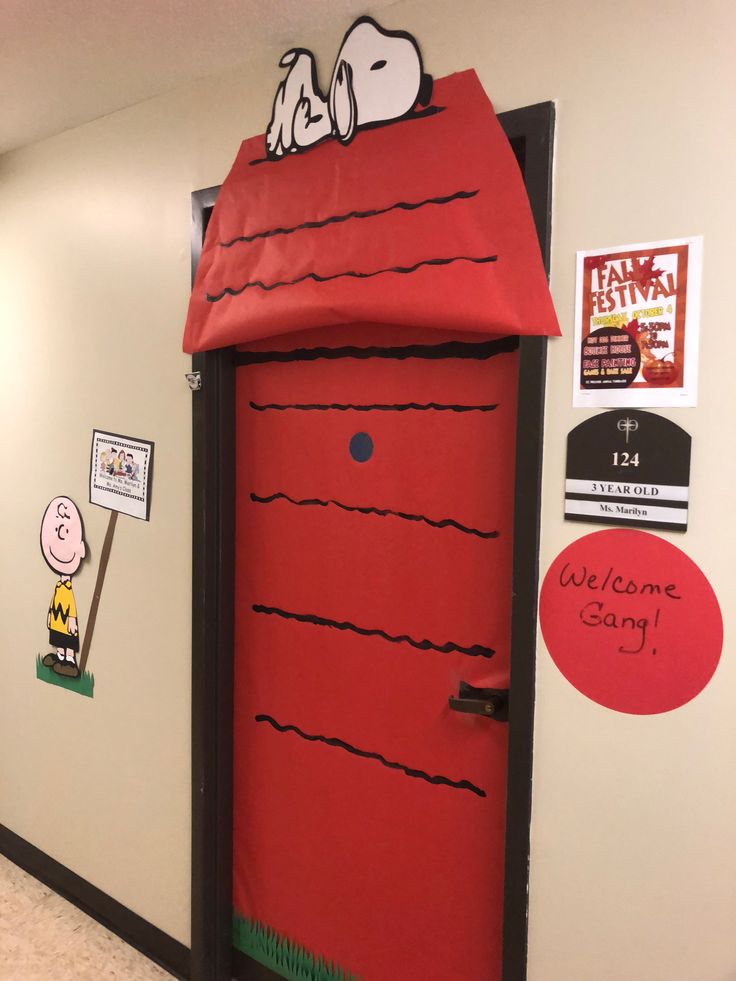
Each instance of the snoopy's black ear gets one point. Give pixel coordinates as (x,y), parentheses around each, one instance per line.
(426,85)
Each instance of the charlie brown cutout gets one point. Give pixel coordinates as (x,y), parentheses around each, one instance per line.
(63,548)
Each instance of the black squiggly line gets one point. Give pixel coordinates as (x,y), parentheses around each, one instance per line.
(317,278)
(376,407)
(476,650)
(367,755)
(381,512)
(430,352)
(350,215)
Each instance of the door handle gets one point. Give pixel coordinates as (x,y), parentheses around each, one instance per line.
(493,703)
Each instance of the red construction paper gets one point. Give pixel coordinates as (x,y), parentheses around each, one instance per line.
(631,621)
(458,155)
(387,874)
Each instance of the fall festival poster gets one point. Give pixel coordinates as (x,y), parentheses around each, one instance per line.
(637,312)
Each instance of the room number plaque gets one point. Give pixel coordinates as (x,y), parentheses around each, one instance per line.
(628,467)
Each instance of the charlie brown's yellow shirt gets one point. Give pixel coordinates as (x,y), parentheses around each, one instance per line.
(62,607)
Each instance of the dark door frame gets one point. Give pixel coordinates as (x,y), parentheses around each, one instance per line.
(531,133)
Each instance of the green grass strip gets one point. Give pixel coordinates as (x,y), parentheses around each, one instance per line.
(84,685)
(283,956)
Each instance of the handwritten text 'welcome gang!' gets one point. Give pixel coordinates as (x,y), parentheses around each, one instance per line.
(632,630)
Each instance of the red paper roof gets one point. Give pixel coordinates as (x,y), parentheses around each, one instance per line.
(422,222)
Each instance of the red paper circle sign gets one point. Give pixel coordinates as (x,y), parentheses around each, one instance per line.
(631,621)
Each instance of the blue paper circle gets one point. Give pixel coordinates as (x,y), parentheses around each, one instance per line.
(361,447)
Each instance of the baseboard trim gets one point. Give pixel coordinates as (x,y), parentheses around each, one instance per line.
(168,953)
(246,969)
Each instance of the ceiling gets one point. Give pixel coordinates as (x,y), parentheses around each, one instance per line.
(65,62)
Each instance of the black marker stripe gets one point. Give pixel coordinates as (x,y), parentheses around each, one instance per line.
(376,407)
(614,519)
(652,502)
(366,755)
(380,512)
(476,650)
(349,216)
(429,352)
(352,274)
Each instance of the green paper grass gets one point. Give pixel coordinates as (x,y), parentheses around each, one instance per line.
(288,959)
(84,685)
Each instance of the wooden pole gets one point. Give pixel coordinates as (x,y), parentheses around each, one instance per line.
(102,569)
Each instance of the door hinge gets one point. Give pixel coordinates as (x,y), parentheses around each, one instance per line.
(194,380)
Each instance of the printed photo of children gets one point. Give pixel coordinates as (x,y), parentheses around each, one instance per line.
(119,464)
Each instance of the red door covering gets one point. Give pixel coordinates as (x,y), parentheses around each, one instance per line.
(424,222)
(375,482)
(375,490)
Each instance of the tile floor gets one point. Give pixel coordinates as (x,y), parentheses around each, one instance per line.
(45,938)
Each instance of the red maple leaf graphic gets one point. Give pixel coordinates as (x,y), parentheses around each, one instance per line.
(595,261)
(632,328)
(645,272)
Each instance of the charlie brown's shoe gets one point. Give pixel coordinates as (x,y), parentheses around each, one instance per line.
(66,668)
(50,660)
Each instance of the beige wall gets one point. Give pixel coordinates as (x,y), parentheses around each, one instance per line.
(94,253)
(633,850)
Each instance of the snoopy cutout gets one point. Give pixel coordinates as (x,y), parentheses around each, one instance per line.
(378,78)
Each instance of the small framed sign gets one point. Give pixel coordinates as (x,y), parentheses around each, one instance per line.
(628,467)
(120,472)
